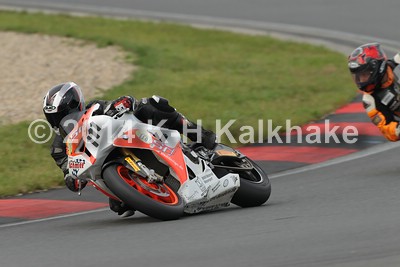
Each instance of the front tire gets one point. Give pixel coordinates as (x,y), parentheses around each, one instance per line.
(155,200)
(255,187)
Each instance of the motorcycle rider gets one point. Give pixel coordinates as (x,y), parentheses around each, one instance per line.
(67,98)
(373,74)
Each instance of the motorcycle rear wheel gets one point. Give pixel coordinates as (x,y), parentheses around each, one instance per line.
(255,187)
(156,200)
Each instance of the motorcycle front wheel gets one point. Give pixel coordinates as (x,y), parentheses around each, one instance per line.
(156,200)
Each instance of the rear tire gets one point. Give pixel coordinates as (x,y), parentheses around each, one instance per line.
(255,188)
(155,200)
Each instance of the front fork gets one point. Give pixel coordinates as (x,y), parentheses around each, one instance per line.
(136,165)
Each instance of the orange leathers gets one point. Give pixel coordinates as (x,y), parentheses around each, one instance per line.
(388,127)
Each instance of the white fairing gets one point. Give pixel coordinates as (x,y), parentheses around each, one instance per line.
(204,192)
(101,130)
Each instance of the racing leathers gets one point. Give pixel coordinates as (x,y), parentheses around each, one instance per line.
(383,104)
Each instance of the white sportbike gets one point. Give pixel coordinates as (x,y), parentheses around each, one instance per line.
(152,170)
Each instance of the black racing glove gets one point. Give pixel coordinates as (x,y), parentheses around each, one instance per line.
(72,183)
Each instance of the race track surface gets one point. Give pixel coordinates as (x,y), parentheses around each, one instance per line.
(336,215)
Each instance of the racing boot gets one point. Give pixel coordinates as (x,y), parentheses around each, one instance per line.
(205,137)
(120,208)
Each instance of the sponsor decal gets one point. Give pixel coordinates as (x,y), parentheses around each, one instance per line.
(207,177)
(201,185)
(215,187)
(353,65)
(226,183)
(75,172)
(144,136)
(77,164)
(72,136)
(389,96)
(135,167)
(49,108)
(235,178)
(161,147)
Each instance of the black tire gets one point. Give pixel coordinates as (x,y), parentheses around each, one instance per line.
(255,188)
(115,177)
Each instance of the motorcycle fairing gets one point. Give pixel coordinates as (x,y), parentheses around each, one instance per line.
(79,158)
(200,194)
(168,149)
(206,191)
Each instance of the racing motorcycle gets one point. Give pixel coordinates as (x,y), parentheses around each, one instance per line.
(152,170)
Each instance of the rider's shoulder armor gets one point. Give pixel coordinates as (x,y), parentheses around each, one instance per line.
(396,71)
(390,97)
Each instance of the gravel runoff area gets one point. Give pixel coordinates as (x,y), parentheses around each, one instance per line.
(30,64)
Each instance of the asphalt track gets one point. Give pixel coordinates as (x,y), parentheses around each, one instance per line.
(339,212)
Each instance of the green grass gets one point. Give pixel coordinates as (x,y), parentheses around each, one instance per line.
(206,74)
